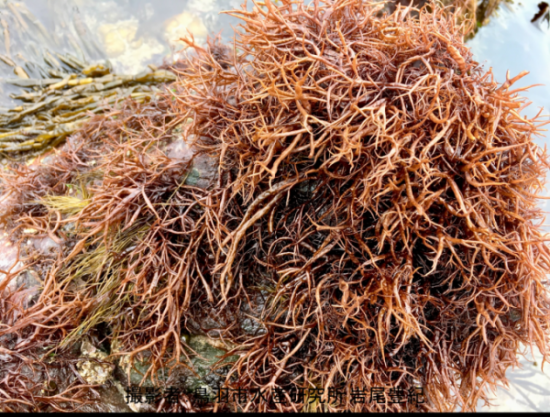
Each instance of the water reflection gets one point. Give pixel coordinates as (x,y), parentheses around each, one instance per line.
(512,42)
(134,33)
(131,34)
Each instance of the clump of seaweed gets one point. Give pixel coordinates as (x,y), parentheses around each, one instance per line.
(373,210)
(108,177)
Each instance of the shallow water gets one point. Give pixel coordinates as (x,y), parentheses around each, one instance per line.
(511,42)
(131,33)
(135,33)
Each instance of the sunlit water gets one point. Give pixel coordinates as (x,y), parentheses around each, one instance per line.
(131,33)
(135,33)
(510,42)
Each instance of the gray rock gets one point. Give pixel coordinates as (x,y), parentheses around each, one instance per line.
(198,374)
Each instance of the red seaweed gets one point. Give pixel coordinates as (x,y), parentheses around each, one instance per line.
(374,211)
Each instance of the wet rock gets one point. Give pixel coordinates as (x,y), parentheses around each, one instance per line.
(249,320)
(26,277)
(198,374)
(179,150)
(179,26)
(8,257)
(139,368)
(91,370)
(46,245)
(26,287)
(252,327)
(54,375)
(204,375)
(204,169)
(123,45)
(8,203)
(69,228)
(111,400)
(515,315)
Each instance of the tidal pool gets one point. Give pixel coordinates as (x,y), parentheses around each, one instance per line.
(134,33)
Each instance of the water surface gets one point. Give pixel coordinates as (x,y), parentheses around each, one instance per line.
(135,33)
